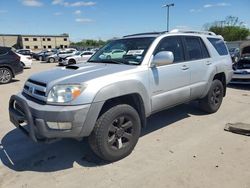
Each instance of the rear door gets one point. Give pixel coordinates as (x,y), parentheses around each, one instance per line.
(199,62)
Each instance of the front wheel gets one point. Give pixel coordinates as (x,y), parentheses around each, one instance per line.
(212,102)
(116,133)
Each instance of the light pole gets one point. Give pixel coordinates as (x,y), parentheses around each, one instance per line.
(167,6)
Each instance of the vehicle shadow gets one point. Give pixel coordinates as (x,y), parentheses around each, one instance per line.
(19,153)
(239,86)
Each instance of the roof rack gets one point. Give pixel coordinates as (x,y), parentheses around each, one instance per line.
(193,31)
(149,33)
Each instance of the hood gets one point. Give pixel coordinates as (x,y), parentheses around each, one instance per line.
(79,73)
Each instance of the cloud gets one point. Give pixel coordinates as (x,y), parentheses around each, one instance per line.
(75,4)
(216,5)
(57,14)
(82,4)
(3,11)
(83,20)
(195,10)
(32,3)
(78,12)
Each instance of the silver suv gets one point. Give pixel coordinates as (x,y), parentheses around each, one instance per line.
(108,99)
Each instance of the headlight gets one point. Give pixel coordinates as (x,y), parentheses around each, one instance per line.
(65,93)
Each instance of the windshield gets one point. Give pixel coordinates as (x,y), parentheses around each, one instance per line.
(78,53)
(123,51)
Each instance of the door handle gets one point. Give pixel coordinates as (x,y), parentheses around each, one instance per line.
(208,63)
(184,67)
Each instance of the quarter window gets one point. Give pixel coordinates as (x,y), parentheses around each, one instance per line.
(172,44)
(219,45)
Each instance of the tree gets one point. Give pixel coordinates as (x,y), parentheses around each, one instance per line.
(232,29)
(89,43)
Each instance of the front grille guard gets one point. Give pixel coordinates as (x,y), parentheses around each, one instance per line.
(19,116)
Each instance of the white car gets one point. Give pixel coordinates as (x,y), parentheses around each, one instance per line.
(79,57)
(60,55)
(25,60)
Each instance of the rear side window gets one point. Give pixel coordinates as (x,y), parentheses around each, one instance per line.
(3,51)
(219,45)
(193,47)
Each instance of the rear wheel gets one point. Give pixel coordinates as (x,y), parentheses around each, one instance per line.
(116,133)
(52,60)
(72,61)
(40,58)
(5,75)
(212,102)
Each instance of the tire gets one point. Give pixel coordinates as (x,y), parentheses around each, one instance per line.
(40,58)
(108,57)
(212,102)
(116,133)
(5,75)
(51,60)
(72,61)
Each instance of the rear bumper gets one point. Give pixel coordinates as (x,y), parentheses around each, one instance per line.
(240,79)
(33,118)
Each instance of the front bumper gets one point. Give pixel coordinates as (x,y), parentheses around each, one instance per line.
(63,62)
(32,118)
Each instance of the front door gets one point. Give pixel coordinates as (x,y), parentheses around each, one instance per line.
(170,83)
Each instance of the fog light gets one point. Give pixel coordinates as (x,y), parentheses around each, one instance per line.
(60,125)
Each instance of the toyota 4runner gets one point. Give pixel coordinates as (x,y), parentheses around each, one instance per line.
(109,98)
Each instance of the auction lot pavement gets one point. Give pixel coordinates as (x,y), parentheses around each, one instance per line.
(181,147)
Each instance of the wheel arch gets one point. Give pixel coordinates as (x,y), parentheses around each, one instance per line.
(8,67)
(114,94)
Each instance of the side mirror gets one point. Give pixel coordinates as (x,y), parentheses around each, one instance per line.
(162,58)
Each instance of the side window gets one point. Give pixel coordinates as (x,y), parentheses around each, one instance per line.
(172,44)
(204,50)
(193,47)
(3,51)
(219,45)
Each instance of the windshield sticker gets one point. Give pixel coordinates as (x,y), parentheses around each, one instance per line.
(135,52)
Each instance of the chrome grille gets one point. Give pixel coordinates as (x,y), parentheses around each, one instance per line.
(35,89)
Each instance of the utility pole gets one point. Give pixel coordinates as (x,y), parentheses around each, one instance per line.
(167,7)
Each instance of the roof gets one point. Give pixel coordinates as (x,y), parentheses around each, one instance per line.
(177,31)
(29,35)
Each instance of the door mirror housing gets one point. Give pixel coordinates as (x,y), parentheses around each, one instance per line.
(162,58)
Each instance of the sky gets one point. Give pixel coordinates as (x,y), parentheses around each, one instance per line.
(105,19)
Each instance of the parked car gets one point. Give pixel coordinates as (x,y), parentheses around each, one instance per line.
(10,65)
(26,52)
(62,54)
(79,57)
(108,100)
(42,56)
(113,54)
(242,71)
(26,61)
(235,54)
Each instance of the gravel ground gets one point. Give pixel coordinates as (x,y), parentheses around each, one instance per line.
(181,147)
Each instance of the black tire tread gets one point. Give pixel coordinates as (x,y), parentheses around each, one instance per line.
(95,139)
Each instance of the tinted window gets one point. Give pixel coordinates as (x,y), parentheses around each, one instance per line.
(193,48)
(172,44)
(3,51)
(204,49)
(219,45)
